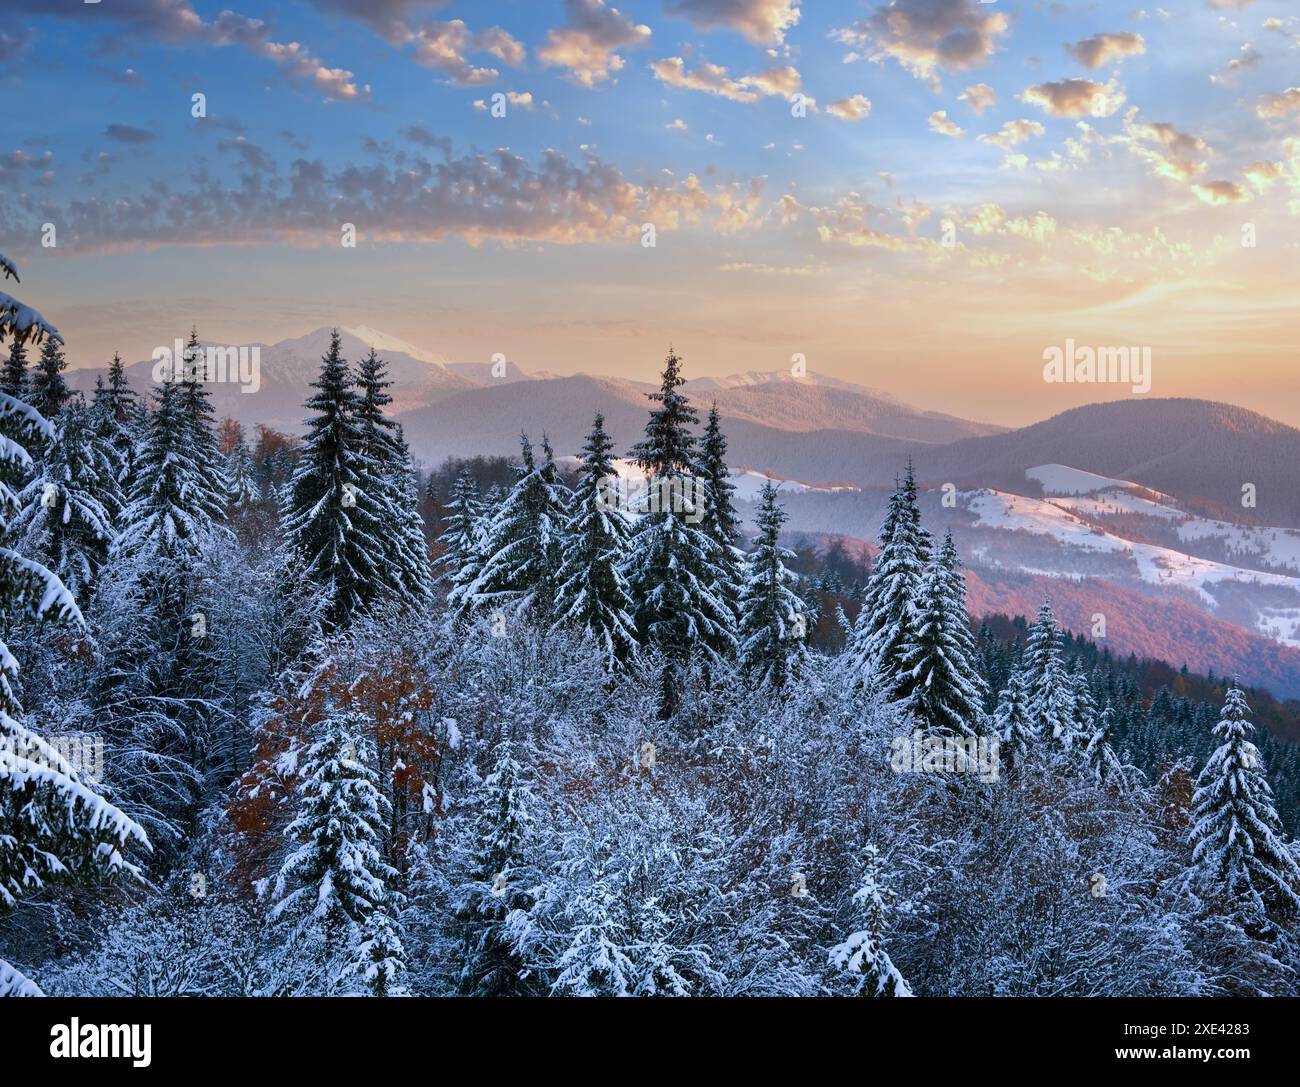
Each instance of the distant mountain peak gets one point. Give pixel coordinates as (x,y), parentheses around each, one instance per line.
(383,341)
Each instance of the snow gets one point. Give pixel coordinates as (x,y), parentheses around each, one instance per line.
(383,343)
(1113,503)
(1155,565)
(16,318)
(1273,546)
(749,483)
(1062,479)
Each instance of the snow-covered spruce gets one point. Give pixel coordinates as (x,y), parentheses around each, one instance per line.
(52,824)
(1236,834)
(592,593)
(673,567)
(335,520)
(334,880)
(461,559)
(493,888)
(887,623)
(862,957)
(523,545)
(72,501)
(773,618)
(719,519)
(940,662)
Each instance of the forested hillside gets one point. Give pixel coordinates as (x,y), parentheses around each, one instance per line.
(261,738)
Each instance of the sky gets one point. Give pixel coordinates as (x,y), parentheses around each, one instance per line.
(923,196)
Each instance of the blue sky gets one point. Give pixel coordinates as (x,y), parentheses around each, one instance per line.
(1094,163)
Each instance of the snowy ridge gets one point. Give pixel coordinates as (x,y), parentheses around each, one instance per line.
(1155,565)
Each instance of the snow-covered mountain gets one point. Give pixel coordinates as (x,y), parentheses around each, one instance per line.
(1142,495)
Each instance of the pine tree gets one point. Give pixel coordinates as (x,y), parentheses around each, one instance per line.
(862,956)
(381,958)
(592,593)
(334,878)
(460,559)
(1050,687)
(171,514)
(122,418)
(384,454)
(1015,728)
(773,619)
(333,521)
(524,545)
(241,478)
(1099,758)
(495,882)
(411,569)
(1237,837)
(887,623)
(52,825)
(70,504)
(1083,709)
(668,449)
(47,390)
(673,566)
(719,521)
(940,660)
(157,691)
(121,396)
(199,421)
(13,379)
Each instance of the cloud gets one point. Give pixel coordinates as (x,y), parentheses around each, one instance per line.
(926,36)
(298,62)
(255,158)
(13,165)
(1100,49)
(1249,57)
(387,18)
(1167,150)
(855,108)
(1274,106)
(129,134)
(774,270)
(1284,27)
(174,21)
(715,79)
(979,97)
(1262,175)
(421,136)
(480,198)
(523,100)
(1075,98)
(445,47)
(678,125)
(1222,192)
(1012,133)
(763,22)
(587,45)
(128,78)
(939,123)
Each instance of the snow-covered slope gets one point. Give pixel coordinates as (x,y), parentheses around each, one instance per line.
(1273,598)
(1061,479)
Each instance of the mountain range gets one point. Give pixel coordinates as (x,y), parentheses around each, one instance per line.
(1176,511)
